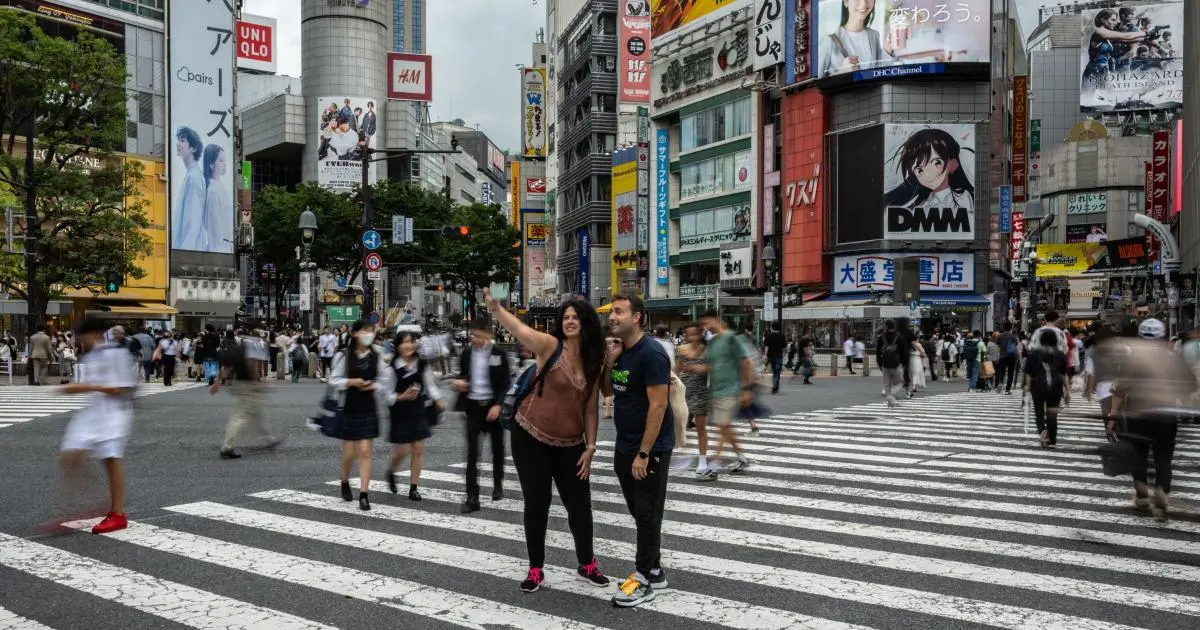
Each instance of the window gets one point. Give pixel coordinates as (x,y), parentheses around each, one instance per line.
(720,175)
(708,229)
(716,124)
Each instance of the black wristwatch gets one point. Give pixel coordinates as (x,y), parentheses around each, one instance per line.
(643,455)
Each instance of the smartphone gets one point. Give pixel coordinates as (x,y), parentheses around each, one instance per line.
(499,291)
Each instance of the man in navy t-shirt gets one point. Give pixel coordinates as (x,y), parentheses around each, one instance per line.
(639,375)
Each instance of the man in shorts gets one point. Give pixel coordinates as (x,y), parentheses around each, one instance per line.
(730,385)
(101,429)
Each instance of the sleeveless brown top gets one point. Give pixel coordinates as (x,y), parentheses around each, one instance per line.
(556,417)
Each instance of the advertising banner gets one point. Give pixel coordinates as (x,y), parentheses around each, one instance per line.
(410,77)
(707,229)
(339,158)
(891,38)
(662,168)
(535,188)
(1085,203)
(624,199)
(1132,58)
(797,41)
(633,51)
(668,15)
(1035,147)
(736,266)
(1087,233)
(803,188)
(514,193)
(719,59)
(1020,131)
(1006,209)
(256,43)
(533,250)
(768,33)
(876,272)
(1160,162)
(1018,236)
(929,175)
(584,274)
(742,175)
(201,122)
(533,103)
(1091,259)
(496,159)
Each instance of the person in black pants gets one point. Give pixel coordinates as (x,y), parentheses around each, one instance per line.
(1046,381)
(1006,370)
(483,380)
(640,375)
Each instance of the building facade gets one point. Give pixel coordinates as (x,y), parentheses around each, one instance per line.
(585,97)
(408,26)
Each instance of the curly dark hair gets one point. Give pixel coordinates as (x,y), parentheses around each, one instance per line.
(591,337)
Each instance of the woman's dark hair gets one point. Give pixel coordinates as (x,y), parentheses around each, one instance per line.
(846,16)
(357,326)
(694,325)
(591,337)
(190,136)
(400,337)
(917,151)
(1102,17)
(210,158)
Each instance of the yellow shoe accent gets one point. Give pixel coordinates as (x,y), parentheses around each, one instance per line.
(630,584)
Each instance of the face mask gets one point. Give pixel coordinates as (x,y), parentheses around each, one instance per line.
(366,339)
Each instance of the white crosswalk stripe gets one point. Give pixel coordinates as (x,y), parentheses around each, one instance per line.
(23,403)
(939,513)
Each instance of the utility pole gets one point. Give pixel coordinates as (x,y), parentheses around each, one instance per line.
(368,219)
(33,232)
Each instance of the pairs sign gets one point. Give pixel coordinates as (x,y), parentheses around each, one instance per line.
(201,122)
(410,77)
(256,43)
(877,272)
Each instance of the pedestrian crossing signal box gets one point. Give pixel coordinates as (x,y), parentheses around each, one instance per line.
(112,282)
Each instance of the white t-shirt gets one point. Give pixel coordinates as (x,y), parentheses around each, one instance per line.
(327,345)
(255,348)
(860,350)
(168,346)
(105,417)
(848,347)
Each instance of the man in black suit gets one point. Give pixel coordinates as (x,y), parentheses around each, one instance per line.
(368,120)
(483,380)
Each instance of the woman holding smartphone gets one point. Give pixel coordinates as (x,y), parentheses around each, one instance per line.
(360,372)
(411,400)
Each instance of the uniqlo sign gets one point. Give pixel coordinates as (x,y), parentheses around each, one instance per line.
(256,43)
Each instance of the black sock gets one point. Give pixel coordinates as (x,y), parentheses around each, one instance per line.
(412,487)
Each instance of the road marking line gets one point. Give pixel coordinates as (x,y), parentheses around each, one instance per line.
(419,599)
(168,600)
(714,610)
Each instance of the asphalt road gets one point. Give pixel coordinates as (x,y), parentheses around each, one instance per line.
(939,514)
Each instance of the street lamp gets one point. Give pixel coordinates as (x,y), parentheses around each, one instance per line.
(308,231)
(770,258)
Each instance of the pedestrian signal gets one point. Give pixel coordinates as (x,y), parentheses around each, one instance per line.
(112,282)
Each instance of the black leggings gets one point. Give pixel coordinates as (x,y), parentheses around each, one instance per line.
(1159,436)
(1047,420)
(537,466)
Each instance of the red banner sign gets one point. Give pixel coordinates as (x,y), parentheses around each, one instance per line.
(1148,191)
(1018,235)
(1020,133)
(633,52)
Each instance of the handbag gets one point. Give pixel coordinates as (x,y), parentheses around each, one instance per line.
(331,413)
(988,370)
(1119,458)
(677,399)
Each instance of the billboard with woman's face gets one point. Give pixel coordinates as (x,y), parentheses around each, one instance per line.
(1132,58)
(891,38)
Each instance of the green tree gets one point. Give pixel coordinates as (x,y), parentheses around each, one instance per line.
(88,222)
(485,257)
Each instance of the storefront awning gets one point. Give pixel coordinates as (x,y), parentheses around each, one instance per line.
(139,310)
(967,301)
(197,308)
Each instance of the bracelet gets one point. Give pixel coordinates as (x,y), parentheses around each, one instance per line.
(589,447)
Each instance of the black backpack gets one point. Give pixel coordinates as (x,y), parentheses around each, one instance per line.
(970,350)
(890,357)
(946,352)
(1045,377)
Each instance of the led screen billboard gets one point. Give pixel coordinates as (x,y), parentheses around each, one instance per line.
(889,38)
(929,182)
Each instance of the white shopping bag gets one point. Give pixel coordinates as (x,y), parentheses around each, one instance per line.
(1026,403)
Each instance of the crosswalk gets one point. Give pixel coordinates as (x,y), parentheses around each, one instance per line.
(22,403)
(941,513)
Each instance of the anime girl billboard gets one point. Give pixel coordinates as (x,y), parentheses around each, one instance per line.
(928,182)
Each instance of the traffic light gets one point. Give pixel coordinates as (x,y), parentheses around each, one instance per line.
(112,282)
(456,230)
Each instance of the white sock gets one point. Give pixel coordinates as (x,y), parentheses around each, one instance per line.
(702,463)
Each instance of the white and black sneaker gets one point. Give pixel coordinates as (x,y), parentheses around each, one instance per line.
(634,591)
(658,579)
(738,467)
(708,474)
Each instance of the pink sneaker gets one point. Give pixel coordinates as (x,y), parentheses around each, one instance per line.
(533,581)
(111,523)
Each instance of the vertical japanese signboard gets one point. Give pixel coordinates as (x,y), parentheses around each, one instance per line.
(514,193)
(1148,194)
(1035,148)
(1020,131)
(796,41)
(1018,236)
(633,54)
(768,33)
(533,111)
(202,62)
(662,166)
(1158,185)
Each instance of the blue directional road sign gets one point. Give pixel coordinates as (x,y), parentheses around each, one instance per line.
(374,317)
(912,306)
(341,282)
(371,239)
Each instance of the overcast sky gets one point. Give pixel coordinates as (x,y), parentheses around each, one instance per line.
(476,45)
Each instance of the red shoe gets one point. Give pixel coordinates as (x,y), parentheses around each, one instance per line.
(111,523)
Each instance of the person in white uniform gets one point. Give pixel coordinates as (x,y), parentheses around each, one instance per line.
(101,429)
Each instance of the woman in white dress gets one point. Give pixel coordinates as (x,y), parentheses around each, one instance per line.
(218,210)
(854,45)
(916,366)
